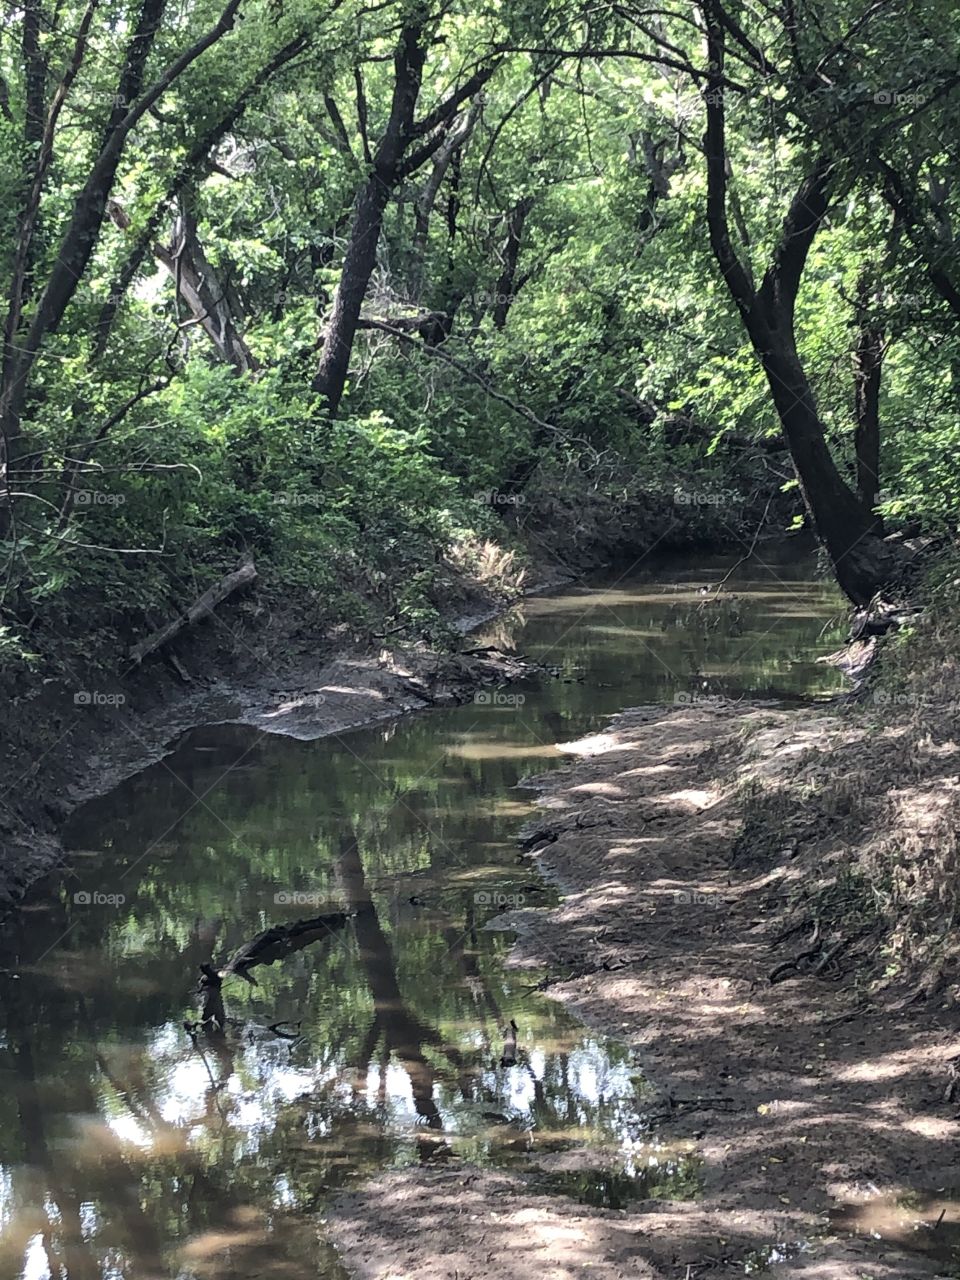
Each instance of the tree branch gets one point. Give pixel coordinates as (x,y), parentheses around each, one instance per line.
(734,272)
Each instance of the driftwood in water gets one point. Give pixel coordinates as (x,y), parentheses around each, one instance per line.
(509,1055)
(280,940)
(201,608)
(212,1012)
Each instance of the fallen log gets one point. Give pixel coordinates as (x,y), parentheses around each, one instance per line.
(279,941)
(201,608)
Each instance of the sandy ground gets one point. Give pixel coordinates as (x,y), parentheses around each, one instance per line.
(817,1102)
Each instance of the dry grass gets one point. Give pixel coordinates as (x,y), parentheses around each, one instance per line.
(488,565)
(866,804)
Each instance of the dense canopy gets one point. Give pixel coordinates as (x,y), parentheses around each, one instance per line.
(344,286)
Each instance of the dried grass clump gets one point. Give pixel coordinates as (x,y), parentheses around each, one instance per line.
(489,565)
(866,807)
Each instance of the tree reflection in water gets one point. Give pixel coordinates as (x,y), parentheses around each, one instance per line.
(128,1151)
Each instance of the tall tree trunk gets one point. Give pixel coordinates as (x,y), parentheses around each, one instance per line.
(867,375)
(842,524)
(859,558)
(509,258)
(369,207)
(395,159)
(358,264)
(83,229)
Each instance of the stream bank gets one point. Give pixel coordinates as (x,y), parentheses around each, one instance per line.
(415,1044)
(91,746)
(70,738)
(81,718)
(708,856)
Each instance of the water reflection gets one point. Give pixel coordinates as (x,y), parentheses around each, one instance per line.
(133,1147)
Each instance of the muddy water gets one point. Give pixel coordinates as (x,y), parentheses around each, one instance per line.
(132,1147)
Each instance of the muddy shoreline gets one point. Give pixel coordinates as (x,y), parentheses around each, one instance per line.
(811,1103)
(271,677)
(268,667)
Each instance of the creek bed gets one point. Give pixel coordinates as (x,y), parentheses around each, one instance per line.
(131,1148)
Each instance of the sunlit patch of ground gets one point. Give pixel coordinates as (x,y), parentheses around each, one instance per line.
(807,1100)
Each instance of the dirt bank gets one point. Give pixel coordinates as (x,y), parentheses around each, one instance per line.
(68,739)
(689,843)
(73,727)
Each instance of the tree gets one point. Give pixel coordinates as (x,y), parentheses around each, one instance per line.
(22,339)
(395,159)
(859,559)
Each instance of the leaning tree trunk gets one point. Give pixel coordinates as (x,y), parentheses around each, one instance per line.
(84,224)
(867,374)
(859,557)
(198,285)
(846,529)
(361,256)
(358,264)
(396,159)
(194,164)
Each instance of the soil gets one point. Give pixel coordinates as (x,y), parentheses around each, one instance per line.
(816,1102)
(694,848)
(66,740)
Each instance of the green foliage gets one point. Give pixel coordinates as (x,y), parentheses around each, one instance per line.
(595,367)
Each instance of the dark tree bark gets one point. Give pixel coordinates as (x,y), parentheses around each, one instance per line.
(507,287)
(867,373)
(859,558)
(394,160)
(904,203)
(369,208)
(35,72)
(131,103)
